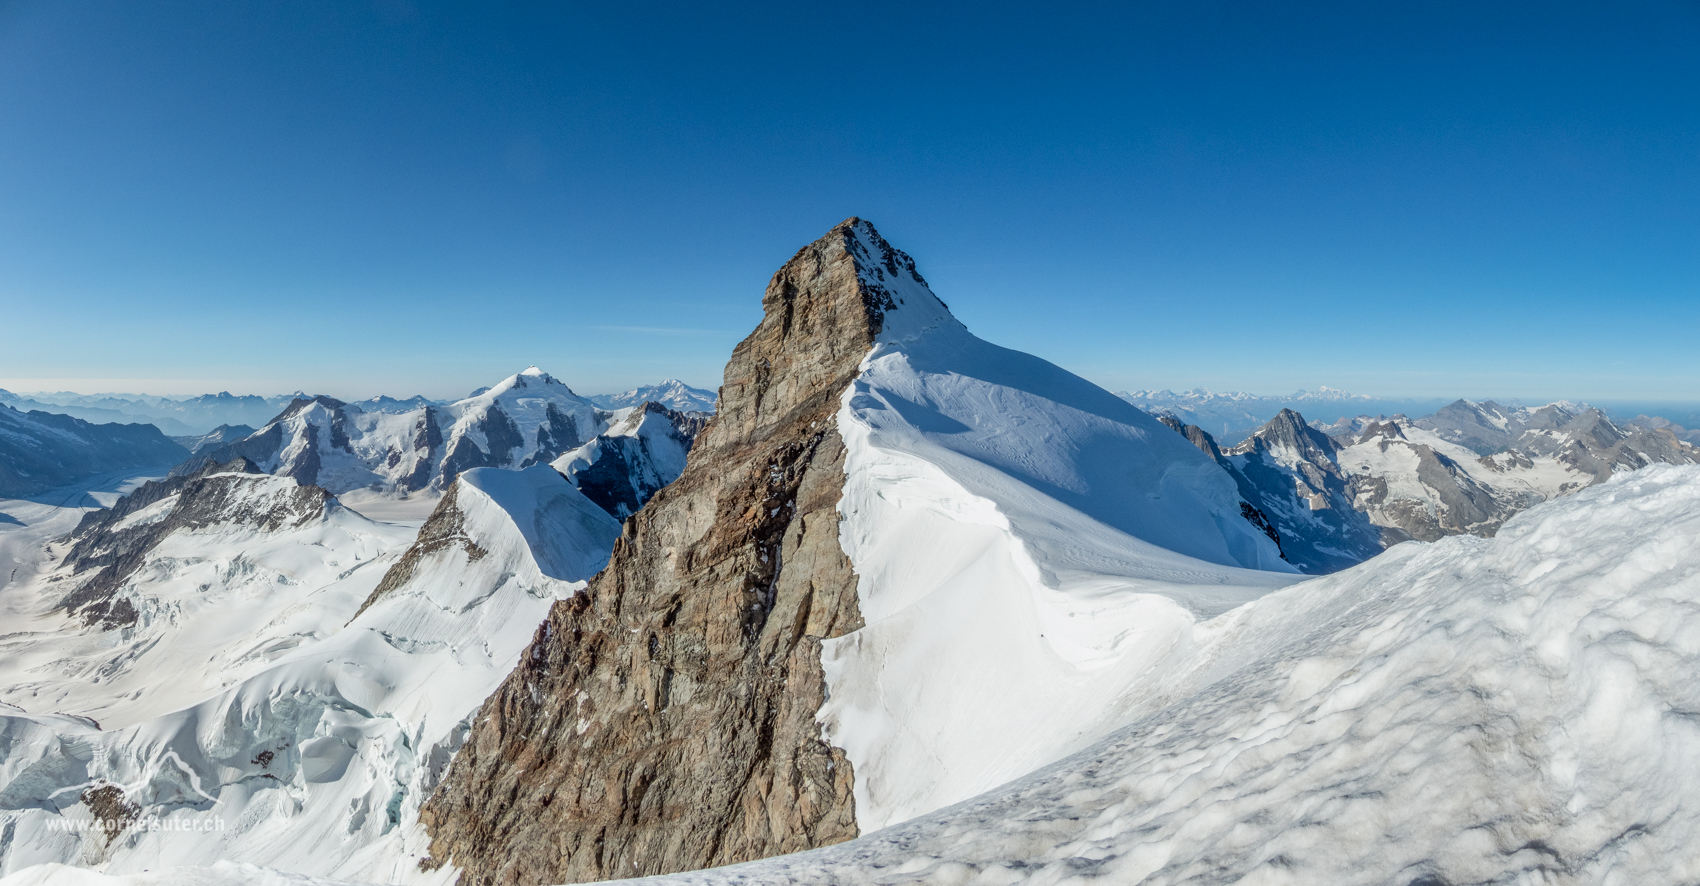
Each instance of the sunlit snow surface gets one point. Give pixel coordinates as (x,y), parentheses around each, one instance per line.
(1520,709)
(1079,664)
(1028,546)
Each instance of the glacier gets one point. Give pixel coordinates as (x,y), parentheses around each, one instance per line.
(346,670)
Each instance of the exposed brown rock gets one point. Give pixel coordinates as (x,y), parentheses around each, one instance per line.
(664,720)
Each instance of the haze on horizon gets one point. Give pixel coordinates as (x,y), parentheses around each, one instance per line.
(419,198)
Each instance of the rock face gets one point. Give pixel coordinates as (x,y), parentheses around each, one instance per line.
(665,719)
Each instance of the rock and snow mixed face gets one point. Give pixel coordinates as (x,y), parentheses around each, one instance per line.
(1506,710)
(290,688)
(1076,657)
(528,418)
(1024,543)
(1340,498)
(643,450)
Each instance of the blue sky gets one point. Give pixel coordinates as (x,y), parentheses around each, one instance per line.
(1486,200)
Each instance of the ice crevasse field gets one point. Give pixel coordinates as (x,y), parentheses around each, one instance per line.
(354,700)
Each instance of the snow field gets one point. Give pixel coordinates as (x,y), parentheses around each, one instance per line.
(318,760)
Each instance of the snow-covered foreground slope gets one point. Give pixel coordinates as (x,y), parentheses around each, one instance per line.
(1027,545)
(1509,710)
(317,758)
(1517,709)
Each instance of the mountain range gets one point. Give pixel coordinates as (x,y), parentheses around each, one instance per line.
(199,415)
(671,393)
(41,451)
(909,608)
(1339,494)
(1231,416)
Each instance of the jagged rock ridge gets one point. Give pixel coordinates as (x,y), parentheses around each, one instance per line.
(665,719)
(1340,497)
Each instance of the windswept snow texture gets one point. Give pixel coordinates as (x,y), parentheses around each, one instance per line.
(316,757)
(1027,545)
(1509,710)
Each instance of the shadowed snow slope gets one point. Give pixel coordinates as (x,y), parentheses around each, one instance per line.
(317,760)
(622,467)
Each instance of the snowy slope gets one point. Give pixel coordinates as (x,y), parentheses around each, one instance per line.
(1511,709)
(331,730)
(211,603)
(1026,544)
(1506,710)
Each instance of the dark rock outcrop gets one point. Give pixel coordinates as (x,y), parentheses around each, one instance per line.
(664,719)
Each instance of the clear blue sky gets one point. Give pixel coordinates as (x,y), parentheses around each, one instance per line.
(1399,199)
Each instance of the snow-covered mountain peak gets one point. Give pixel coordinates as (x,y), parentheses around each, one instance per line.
(900,305)
(532,381)
(1290,437)
(670,392)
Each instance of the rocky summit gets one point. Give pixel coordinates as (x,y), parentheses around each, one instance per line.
(665,719)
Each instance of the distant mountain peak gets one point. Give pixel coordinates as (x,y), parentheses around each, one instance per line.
(670,392)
